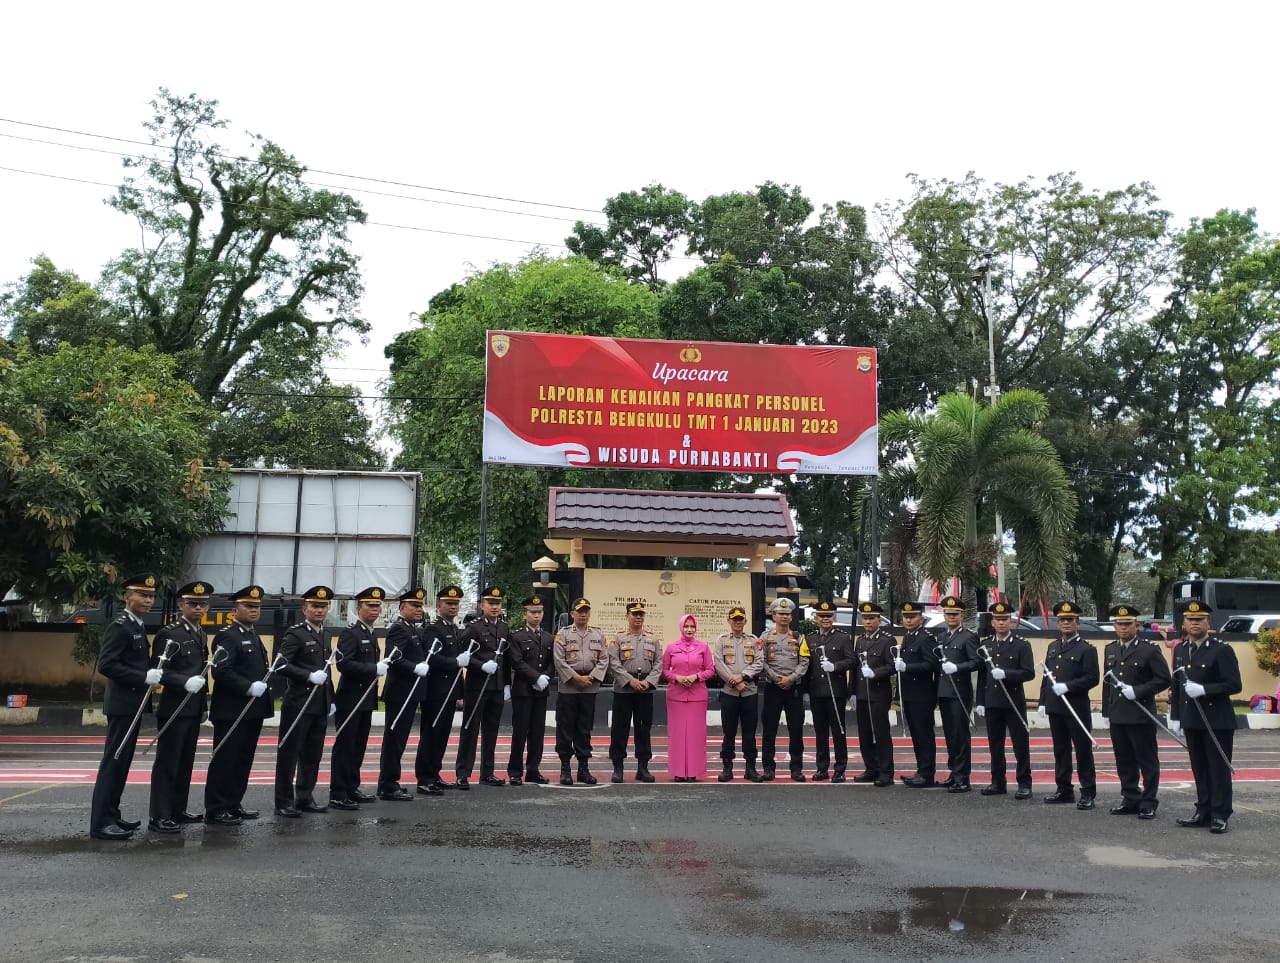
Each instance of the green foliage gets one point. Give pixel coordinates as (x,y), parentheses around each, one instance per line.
(48,306)
(102,470)
(1266,649)
(640,235)
(88,644)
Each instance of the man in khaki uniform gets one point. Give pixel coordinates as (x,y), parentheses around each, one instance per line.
(784,672)
(738,661)
(581,657)
(636,659)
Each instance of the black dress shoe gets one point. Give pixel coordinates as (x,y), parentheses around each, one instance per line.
(995,789)
(837,778)
(617,775)
(883,782)
(797,775)
(462,784)
(643,774)
(163,826)
(288,812)
(1218,827)
(536,777)
(346,805)
(1061,796)
(111,832)
(918,782)
(129,825)
(1124,809)
(726,775)
(1086,802)
(820,776)
(1024,792)
(585,777)
(1197,821)
(947,783)
(429,789)
(493,780)
(224,818)
(514,780)
(1146,814)
(183,819)
(752,774)
(311,806)
(864,777)
(959,787)
(768,776)
(360,796)
(399,794)
(245,813)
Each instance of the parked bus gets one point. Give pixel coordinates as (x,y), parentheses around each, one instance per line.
(1228,597)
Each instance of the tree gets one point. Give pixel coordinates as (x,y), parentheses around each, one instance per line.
(235,248)
(967,458)
(49,306)
(103,470)
(640,233)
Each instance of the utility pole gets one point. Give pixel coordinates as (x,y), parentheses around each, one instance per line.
(993,395)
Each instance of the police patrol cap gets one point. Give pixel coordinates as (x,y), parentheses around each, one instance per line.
(580,604)
(783,605)
(450,593)
(1003,609)
(870,608)
(145,582)
(320,594)
(1194,607)
(249,595)
(1069,609)
(196,592)
(491,594)
(952,604)
(737,612)
(1123,613)
(824,608)
(415,594)
(373,593)
(635,608)
(913,608)
(533,602)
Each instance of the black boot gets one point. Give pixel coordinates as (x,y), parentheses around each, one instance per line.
(585,777)
(617,773)
(642,772)
(752,775)
(566,777)
(727,774)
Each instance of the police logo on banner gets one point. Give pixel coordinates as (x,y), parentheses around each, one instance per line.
(501,344)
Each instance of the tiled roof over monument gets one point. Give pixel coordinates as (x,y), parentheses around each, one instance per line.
(618,512)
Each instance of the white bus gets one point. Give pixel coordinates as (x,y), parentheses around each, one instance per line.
(1228,597)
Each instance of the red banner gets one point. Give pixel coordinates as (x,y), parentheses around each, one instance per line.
(583,402)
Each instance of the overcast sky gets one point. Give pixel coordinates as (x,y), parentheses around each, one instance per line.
(570,103)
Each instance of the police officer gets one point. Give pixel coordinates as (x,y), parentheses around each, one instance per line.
(1135,670)
(360,667)
(125,661)
(784,671)
(918,693)
(955,654)
(183,676)
(305,706)
(239,682)
(530,661)
(738,662)
(1074,664)
(447,657)
(1006,665)
(635,656)
(487,687)
(403,692)
(830,652)
(873,687)
(1201,707)
(581,658)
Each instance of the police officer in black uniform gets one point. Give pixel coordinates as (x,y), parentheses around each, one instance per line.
(239,679)
(125,660)
(448,658)
(183,676)
(918,693)
(955,654)
(830,652)
(873,687)
(304,709)
(404,690)
(529,659)
(360,668)
(486,690)
(1074,663)
(1206,674)
(1006,667)
(1142,672)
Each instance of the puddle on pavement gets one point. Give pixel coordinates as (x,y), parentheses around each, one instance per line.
(1137,858)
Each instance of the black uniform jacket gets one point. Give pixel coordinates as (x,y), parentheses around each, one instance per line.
(306,649)
(188,658)
(1013,654)
(1214,665)
(1141,665)
(358,666)
(960,647)
(411,639)
(1073,662)
(246,663)
(528,658)
(124,659)
(920,680)
(490,637)
(838,647)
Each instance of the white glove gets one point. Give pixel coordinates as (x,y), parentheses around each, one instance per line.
(982,712)
(506,693)
(489,668)
(317,677)
(1175,726)
(1059,688)
(153,677)
(1128,693)
(1193,689)
(421,670)
(464,660)
(333,709)
(381,668)
(1044,711)
(868,672)
(899,665)
(543,682)
(828,665)
(998,674)
(949,667)
(257,689)
(194,684)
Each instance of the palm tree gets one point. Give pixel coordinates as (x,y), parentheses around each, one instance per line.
(966,457)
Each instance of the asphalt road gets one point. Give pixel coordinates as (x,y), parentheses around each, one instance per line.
(646,873)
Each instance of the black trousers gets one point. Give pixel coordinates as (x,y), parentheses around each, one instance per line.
(348,753)
(394,739)
(113,773)
(1213,778)
(875,740)
(228,777)
(1000,721)
(778,701)
(298,760)
(483,725)
(919,716)
(828,727)
(955,728)
(528,733)
(171,772)
(575,718)
(631,708)
(1067,734)
(739,711)
(433,737)
(1137,754)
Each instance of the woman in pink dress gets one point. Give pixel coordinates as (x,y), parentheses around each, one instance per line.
(687,665)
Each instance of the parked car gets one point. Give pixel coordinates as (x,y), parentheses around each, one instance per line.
(1038,622)
(1251,624)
